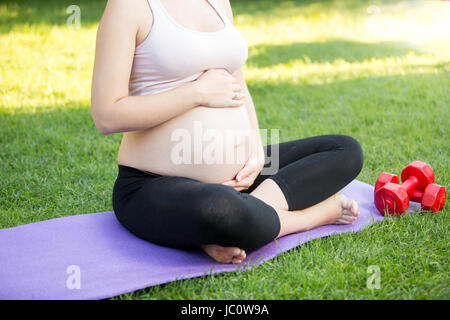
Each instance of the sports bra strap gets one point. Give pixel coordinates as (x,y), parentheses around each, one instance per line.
(159,10)
(219,11)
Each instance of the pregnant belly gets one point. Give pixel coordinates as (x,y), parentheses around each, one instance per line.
(206,144)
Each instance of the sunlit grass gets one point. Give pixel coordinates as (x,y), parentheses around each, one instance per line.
(378,71)
(417,22)
(46,65)
(306,72)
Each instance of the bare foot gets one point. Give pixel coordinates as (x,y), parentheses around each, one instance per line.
(348,209)
(224,254)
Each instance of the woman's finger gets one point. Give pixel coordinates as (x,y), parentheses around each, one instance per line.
(230,183)
(247,181)
(237,87)
(243,173)
(234,184)
(247,170)
(238,96)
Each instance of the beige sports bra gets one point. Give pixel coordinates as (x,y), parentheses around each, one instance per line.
(172,54)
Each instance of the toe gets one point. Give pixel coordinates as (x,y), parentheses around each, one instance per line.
(355,208)
(239,257)
(234,251)
(236,260)
(346,219)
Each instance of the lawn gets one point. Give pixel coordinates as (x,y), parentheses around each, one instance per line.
(378,72)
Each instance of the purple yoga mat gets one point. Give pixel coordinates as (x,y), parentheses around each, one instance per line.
(91,256)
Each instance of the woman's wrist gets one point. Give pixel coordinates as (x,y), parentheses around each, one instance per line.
(195,95)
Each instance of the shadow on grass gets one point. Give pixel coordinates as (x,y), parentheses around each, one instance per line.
(326,51)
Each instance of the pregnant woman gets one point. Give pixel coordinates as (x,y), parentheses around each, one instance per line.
(191,163)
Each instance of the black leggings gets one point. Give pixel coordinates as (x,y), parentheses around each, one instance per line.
(182,212)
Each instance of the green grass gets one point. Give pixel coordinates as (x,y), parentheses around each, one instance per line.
(314,67)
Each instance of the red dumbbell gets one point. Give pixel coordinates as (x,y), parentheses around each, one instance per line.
(418,186)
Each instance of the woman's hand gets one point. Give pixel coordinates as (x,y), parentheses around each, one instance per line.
(247,175)
(217,88)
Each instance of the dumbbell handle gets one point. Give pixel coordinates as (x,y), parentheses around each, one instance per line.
(415,195)
(432,198)
(409,185)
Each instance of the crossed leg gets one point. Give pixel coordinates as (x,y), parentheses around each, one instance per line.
(335,208)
